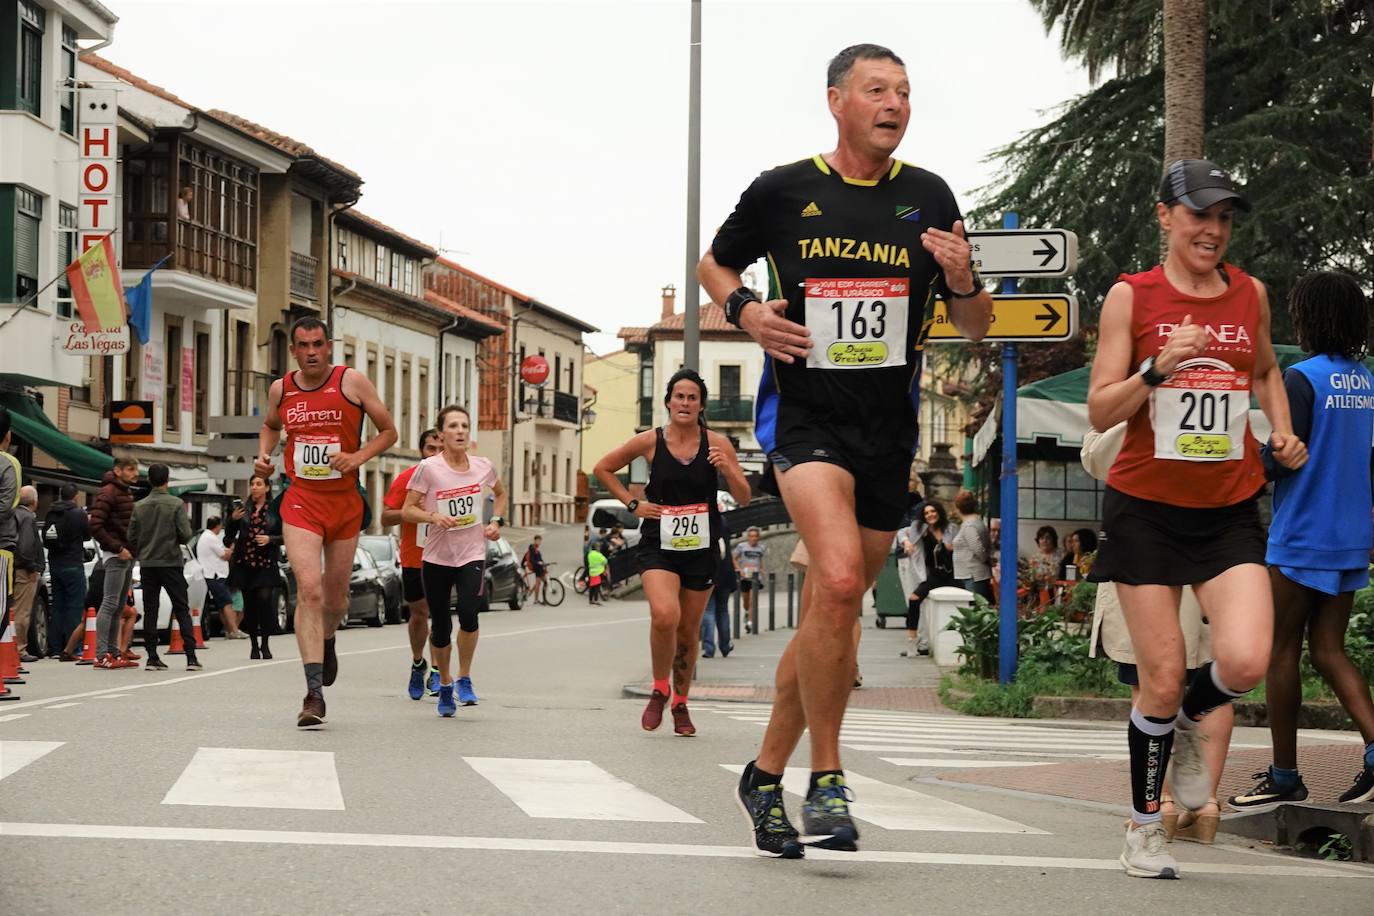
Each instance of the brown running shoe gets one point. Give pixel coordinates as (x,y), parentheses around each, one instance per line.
(682,723)
(653,712)
(331,662)
(312,711)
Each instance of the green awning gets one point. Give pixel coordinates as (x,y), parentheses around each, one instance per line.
(32,425)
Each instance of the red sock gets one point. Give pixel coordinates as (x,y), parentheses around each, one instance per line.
(662,686)
(678,699)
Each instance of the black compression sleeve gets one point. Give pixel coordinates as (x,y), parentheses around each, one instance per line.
(1300,404)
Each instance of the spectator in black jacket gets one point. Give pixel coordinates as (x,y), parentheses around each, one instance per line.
(114,507)
(29,564)
(65,530)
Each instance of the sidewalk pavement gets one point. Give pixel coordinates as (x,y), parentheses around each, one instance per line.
(1328,759)
(889,681)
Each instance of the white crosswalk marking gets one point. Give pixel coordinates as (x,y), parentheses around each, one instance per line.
(896,808)
(957,764)
(14,715)
(236,777)
(61,705)
(15,755)
(574,789)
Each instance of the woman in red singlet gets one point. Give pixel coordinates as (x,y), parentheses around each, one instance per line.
(1181,348)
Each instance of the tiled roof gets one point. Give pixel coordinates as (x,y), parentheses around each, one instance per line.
(359,216)
(454,265)
(633,335)
(120,73)
(280,141)
(472,315)
(710,317)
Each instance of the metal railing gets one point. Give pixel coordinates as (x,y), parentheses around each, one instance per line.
(730,410)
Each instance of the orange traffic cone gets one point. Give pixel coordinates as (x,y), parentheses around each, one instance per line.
(195,628)
(175,644)
(88,649)
(9,655)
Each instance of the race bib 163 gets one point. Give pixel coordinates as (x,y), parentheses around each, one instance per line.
(857,323)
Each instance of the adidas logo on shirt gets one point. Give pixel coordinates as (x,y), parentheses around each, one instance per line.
(811,210)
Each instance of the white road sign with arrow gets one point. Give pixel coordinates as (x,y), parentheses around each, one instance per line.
(1024,252)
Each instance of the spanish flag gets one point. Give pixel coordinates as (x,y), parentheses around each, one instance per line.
(99,296)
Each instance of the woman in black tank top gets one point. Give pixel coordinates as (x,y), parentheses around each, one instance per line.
(679,552)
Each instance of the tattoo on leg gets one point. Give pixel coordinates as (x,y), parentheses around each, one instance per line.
(680,684)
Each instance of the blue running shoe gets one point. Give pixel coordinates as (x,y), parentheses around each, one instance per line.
(446,705)
(434,682)
(417,682)
(465,694)
(773,835)
(825,816)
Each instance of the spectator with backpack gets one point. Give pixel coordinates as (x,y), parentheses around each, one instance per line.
(65,530)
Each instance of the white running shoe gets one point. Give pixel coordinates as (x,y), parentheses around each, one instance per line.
(1144,855)
(1188,773)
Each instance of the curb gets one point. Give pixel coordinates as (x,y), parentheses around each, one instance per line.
(1327,716)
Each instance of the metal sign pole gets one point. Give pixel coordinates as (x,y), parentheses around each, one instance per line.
(1007,634)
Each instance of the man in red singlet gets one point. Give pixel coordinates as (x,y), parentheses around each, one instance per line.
(412,584)
(321,407)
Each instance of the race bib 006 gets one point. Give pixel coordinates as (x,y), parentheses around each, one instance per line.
(857,323)
(459,503)
(312,455)
(1199,414)
(685,527)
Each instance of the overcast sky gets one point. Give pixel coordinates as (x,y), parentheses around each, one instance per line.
(544,144)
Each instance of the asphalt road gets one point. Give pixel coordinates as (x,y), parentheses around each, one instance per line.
(145,792)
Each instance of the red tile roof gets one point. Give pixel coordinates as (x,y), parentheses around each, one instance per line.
(280,141)
(710,318)
(633,335)
(120,73)
(477,318)
(359,216)
(454,265)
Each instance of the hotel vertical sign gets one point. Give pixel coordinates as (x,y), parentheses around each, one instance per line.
(98,141)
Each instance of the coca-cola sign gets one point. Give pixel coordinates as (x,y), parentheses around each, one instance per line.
(97,343)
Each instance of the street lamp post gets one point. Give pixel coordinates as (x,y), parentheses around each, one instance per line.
(691,319)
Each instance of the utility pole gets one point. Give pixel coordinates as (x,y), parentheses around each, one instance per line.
(691,318)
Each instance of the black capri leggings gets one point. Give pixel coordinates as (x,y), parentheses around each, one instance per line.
(439,584)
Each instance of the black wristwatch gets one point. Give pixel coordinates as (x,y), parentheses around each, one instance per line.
(632,505)
(977,287)
(736,302)
(498,521)
(1150,375)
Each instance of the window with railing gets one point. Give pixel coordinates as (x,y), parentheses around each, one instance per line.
(28,217)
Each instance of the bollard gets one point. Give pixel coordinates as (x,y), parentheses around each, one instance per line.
(791,581)
(772,599)
(737,601)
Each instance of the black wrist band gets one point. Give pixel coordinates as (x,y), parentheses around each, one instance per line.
(736,302)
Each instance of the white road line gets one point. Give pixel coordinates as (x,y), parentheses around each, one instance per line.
(956,740)
(959,764)
(261,665)
(13,716)
(110,696)
(972,728)
(926,749)
(15,755)
(668,850)
(575,790)
(231,777)
(896,808)
(62,705)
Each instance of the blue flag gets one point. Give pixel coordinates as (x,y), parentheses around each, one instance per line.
(140,299)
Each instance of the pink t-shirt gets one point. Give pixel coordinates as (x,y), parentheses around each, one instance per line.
(459,494)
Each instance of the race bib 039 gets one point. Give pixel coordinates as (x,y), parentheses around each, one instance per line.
(312,456)
(1199,414)
(685,527)
(459,503)
(857,323)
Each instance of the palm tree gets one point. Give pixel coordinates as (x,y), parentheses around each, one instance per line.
(1185,78)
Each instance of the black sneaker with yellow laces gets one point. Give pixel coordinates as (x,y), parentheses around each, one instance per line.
(771,832)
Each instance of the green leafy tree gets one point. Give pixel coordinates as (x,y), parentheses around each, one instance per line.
(1287,98)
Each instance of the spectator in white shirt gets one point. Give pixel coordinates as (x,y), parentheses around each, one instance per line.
(214,561)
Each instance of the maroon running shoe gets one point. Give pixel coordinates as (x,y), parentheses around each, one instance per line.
(682,723)
(653,712)
(312,711)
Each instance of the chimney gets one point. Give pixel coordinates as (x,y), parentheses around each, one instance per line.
(669,300)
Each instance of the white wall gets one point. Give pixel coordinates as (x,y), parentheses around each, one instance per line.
(460,378)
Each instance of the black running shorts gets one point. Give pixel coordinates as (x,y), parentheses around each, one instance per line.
(696,569)
(880,472)
(412,585)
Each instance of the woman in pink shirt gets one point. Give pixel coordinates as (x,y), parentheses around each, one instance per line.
(445,499)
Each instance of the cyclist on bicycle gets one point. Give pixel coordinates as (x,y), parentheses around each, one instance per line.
(533,563)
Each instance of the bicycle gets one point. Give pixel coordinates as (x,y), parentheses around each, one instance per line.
(552,594)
